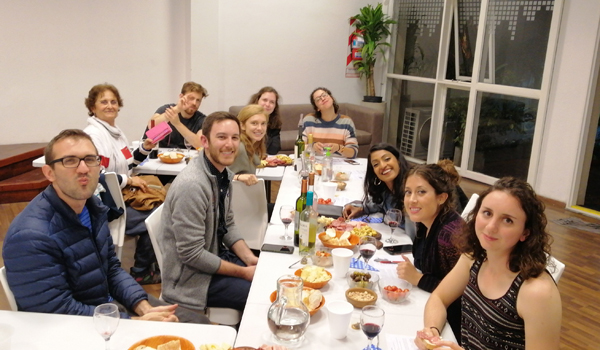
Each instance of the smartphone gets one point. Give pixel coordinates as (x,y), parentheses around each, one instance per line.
(398,249)
(351,161)
(277,248)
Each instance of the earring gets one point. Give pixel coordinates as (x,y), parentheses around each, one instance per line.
(377,182)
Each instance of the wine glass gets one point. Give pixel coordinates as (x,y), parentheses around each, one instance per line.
(367,248)
(286,214)
(393,218)
(188,146)
(106,320)
(371,322)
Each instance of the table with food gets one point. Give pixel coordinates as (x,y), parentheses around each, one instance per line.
(360,284)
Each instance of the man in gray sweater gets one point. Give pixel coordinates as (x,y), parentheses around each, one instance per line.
(206,262)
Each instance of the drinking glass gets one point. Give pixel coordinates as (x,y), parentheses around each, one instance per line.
(286,214)
(393,218)
(371,322)
(367,248)
(188,146)
(106,320)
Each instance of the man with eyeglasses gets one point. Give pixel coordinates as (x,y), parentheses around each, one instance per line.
(58,253)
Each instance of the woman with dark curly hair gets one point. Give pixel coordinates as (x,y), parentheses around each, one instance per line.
(328,127)
(429,202)
(509,299)
(268,98)
(384,182)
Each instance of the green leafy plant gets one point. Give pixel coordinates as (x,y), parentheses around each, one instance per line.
(374,27)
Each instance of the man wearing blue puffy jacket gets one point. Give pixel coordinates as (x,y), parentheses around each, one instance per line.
(58,253)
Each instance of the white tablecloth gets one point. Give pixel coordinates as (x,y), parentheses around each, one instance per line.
(34,331)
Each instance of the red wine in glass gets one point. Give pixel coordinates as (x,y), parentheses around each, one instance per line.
(286,221)
(393,218)
(367,253)
(371,330)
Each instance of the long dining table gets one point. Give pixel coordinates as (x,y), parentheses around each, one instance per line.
(401,320)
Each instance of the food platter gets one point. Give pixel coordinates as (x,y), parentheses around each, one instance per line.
(275,161)
(171,157)
(273,296)
(162,339)
(353,239)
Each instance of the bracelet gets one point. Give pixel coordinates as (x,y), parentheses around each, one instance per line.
(439,333)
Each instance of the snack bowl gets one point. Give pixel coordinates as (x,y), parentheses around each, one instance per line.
(358,297)
(273,296)
(342,175)
(168,158)
(322,257)
(394,290)
(353,239)
(315,285)
(362,279)
(341,185)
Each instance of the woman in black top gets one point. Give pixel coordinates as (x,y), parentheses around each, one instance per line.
(268,98)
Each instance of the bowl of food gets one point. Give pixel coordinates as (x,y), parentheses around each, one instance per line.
(342,175)
(394,290)
(362,279)
(312,298)
(314,276)
(361,297)
(322,257)
(341,185)
(171,157)
(338,239)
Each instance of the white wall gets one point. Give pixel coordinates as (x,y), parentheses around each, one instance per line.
(569,95)
(239,46)
(53,52)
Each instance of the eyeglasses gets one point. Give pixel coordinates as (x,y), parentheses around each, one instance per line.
(73,162)
(322,97)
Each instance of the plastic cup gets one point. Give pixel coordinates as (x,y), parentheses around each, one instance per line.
(328,190)
(339,314)
(341,261)
(6,332)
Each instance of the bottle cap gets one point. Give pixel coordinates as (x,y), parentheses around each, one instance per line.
(309,198)
(327,151)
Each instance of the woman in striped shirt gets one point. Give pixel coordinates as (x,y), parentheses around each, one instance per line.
(328,127)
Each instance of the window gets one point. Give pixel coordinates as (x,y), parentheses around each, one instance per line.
(469,82)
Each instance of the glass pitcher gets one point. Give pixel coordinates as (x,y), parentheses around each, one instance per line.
(288,317)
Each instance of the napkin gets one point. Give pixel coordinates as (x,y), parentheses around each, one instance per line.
(359,264)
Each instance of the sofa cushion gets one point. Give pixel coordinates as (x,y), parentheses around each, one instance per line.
(363,137)
(288,139)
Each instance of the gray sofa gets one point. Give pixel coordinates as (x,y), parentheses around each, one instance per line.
(368,123)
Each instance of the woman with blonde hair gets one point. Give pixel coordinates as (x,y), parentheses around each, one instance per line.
(253,120)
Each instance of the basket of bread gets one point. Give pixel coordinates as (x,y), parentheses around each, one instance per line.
(171,157)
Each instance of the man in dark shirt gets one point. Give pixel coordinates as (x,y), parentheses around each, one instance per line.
(183,117)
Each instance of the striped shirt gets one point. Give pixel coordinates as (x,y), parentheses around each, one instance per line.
(491,323)
(340,130)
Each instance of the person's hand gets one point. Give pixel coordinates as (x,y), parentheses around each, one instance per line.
(351,211)
(164,316)
(248,179)
(148,144)
(318,147)
(248,272)
(136,181)
(162,308)
(408,272)
(172,116)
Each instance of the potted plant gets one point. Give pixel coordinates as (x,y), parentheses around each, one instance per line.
(374,27)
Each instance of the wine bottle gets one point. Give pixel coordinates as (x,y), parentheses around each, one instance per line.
(300,206)
(327,170)
(308,227)
(299,145)
(311,188)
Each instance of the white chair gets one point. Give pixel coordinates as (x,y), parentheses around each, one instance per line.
(470,205)
(220,315)
(555,267)
(117,226)
(249,205)
(9,295)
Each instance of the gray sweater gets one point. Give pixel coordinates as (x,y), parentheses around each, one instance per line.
(242,164)
(189,241)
